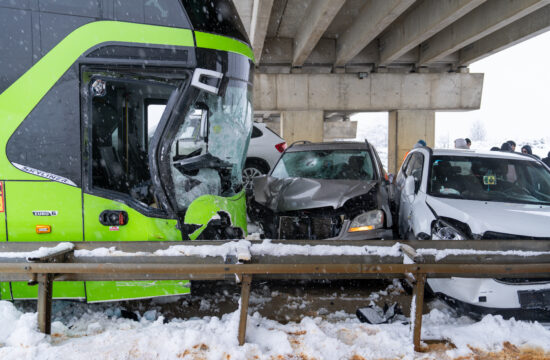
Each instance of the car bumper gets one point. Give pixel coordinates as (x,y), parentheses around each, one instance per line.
(493,294)
(477,312)
(378,234)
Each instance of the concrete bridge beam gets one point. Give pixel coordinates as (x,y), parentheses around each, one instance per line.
(320,15)
(374,17)
(424,21)
(480,22)
(261,11)
(367,92)
(525,28)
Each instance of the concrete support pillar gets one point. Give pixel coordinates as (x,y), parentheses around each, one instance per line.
(405,128)
(302,125)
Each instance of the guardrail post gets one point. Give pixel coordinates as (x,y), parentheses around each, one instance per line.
(418,304)
(245,296)
(45,303)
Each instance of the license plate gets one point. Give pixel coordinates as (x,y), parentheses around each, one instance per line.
(534,299)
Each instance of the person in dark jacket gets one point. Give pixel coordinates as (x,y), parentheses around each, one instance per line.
(512,144)
(526,149)
(546,160)
(506,147)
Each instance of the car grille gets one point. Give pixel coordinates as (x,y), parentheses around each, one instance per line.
(308,228)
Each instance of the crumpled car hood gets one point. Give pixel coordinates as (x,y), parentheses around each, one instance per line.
(508,218)
(291,194)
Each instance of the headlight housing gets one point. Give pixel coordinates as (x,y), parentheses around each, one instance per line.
(367,221)
(442,230)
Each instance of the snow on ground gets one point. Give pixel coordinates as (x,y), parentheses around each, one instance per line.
(79,333)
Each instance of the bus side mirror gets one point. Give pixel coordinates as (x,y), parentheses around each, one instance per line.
(205,110)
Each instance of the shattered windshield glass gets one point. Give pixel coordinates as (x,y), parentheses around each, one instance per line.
(490,179)
(210,147)
(346,164)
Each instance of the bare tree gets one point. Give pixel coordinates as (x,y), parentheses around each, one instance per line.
(477,131)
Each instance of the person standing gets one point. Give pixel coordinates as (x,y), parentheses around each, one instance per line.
(460,143)
(512,145)
(420,143)
(468,143)
(526,149)
(506,147)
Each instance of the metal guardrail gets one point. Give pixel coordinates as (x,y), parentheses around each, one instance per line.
(485,258)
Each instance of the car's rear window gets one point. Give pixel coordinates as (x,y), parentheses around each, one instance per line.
(348,164)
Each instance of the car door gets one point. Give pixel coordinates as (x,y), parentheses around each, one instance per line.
(414,169)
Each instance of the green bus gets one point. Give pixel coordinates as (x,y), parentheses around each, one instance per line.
(122,120)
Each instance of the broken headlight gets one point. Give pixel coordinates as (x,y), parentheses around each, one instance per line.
(367,221)
(442,230)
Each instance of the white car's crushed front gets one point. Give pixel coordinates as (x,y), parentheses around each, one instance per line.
(462,194)
(527,220)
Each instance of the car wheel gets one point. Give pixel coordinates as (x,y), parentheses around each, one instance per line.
(250,171)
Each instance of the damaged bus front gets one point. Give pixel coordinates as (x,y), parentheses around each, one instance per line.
(127,124)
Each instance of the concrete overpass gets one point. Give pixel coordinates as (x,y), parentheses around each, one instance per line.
(317,59)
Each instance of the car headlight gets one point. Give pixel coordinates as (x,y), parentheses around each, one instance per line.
(442,230)
(367,221)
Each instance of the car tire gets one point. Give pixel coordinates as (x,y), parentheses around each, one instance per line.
(252,168)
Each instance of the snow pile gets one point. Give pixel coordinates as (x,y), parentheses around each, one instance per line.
(277,249)
(105,252)
(41,252)
(102,335)
(488,334)
(440,254)
(224,250)
(244,249)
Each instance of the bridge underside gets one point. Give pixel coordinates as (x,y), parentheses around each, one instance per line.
(323,59)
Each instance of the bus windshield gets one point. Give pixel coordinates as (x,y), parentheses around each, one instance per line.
(209,150)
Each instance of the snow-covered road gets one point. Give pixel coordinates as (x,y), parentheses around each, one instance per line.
(82,333)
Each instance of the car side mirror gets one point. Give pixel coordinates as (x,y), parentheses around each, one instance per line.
(409,187)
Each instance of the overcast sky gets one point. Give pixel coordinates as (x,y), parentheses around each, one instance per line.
(515,104)
(516,95)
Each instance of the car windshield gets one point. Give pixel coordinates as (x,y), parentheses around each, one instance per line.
(349,164)
(490,179)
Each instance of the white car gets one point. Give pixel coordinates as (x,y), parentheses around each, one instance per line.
(264,151)
(466,194)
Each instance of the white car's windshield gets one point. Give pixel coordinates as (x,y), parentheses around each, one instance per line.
(349,164)
(489,179)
